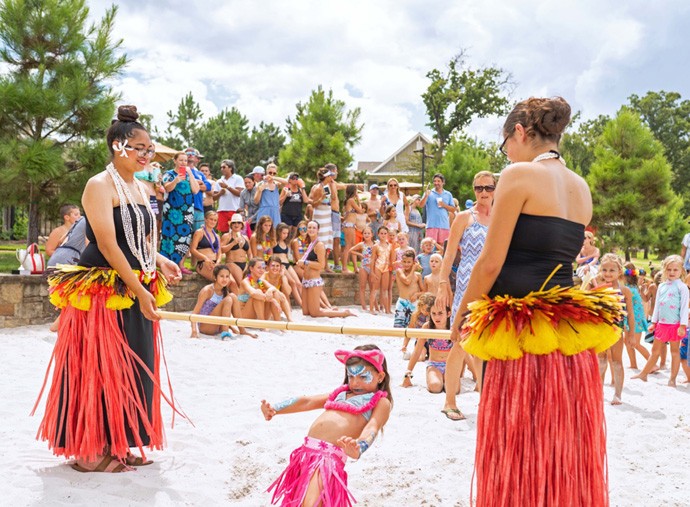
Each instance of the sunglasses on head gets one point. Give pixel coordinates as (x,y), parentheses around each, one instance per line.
(484,188)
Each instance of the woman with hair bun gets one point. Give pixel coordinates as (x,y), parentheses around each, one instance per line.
(105,393)
(541,408)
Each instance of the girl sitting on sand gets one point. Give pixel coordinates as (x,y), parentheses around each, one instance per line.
(355,413)
(418,318)
(276,276)
(257,296)
(215,299)
(438,356)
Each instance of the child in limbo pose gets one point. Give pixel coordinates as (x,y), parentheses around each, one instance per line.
(410,285)
(611,271)
(355,413)
(670,317)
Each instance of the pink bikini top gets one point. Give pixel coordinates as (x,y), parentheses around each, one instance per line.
(358,404)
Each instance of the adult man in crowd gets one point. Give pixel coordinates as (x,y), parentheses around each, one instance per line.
(209,201)
(226,191)
(258,174)
(440,210)
(193,157)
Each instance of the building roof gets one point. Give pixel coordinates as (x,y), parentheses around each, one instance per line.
(404,147)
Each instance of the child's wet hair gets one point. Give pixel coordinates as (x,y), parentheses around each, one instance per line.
(385,384)
(432,324)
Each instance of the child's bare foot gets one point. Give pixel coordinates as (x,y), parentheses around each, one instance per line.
(643,378)
(365,308)
(654,369)
(616,401)
(672,383)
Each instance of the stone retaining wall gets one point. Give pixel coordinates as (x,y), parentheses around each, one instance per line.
(24,298)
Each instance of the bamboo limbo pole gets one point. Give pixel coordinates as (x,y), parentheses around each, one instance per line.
(440,334)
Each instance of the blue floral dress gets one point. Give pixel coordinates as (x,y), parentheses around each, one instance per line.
(178,219)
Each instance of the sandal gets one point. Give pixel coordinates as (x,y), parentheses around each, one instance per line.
(453,414)
(137,461)
(108,464)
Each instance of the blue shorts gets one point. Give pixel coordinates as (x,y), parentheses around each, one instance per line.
(684,349)
(198,219)
(335,223)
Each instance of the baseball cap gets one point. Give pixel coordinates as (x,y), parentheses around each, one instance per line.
(258,170)
(373,186)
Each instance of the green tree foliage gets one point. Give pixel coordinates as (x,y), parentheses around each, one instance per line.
(577,147)
(464,157)
(183,124)
(55,103)
(322,132)
(227,135)
(454,98)
(668,117)
(630,181)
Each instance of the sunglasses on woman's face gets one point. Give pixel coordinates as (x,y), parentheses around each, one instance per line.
(302,229)
(484,188)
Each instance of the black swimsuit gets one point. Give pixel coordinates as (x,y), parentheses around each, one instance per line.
(278,250)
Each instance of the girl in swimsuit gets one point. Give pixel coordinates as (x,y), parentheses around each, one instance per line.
(281,250)
(276,276)
(352,208)
(215,299)
(235,246)
(380,273)
(264,239)
(390,222)
(611,270)
(354,414)
(438,353)
(313,262)
(257,295)
(205,247)
(364,250)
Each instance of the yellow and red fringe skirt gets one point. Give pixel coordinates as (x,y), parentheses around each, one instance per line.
(541,433)
(105,391)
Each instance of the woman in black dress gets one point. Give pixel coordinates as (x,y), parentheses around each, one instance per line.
(540,430)
(105,392)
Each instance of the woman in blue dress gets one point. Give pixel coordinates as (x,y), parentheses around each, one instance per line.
(178,212)
(467,234)
(268,196)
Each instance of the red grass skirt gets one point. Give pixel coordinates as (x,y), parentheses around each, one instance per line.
(541,435)
(314,455)
(96,401)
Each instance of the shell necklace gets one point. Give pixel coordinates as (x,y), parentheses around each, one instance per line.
(144,251)
(547,155)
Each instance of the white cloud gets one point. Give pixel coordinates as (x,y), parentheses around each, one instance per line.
(264,57)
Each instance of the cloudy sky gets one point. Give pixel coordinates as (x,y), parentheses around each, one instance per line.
(263,57)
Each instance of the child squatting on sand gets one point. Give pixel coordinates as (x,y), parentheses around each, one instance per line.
(355,413)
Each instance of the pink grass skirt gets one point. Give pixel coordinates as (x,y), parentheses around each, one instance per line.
(314,455)
(667,332)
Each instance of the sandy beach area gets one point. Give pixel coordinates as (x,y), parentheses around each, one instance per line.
(230,455)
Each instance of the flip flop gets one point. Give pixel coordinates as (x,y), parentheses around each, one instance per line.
(105,465)
(453,414)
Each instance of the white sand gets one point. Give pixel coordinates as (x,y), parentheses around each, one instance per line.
(231,455)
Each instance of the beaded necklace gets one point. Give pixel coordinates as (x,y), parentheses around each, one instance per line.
(143,250)
(547,155)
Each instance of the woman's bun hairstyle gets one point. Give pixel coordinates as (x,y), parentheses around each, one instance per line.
(127,113)
(123,126)
(546,118)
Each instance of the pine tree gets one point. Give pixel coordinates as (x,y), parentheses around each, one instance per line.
(322,132)
(630,180)
(55,103)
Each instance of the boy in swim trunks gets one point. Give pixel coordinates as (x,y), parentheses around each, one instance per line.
(410,285)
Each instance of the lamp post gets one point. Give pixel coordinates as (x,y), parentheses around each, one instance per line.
(420,149)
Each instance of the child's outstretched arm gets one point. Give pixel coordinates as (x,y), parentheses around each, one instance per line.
(354,448)
(293,405)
